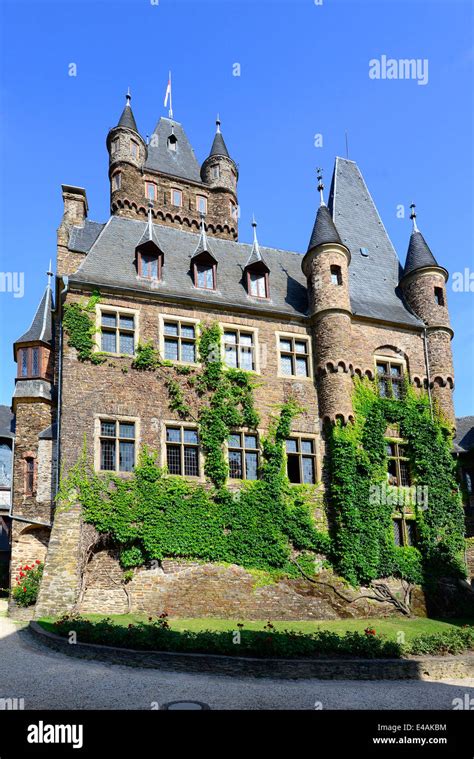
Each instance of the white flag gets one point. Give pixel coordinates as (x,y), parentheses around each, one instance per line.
(168,95)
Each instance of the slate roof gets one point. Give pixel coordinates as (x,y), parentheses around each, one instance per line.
(127,119)
(41,328)
(419,254)
(111,261)
(33,388)
(324,230)
(180,162)
(219,146)
(82,239)
(7,422)
(464,438)
(373,279)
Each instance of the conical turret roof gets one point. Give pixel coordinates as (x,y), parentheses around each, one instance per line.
(419,254)
(127,119)
(41,328)
(324,229)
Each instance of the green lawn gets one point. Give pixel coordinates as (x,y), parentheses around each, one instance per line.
(389,626)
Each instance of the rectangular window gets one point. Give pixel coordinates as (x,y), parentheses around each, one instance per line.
(398,469)
(234,211)
(301,460)
(215,172)
(150,190)
(294,356)
(117,446)
(182,451)
(24,362)
(29,362)
(239,349)
(117,181)
(134,149)
(115,145)
(29,476)
(439,296)
(149,266)
(258,284)
(204,276)
(404,531)
(118,332)
(390,379)
(201,203)
(243,456)
(177,198)
(35,369)
(180,341)
(336,275)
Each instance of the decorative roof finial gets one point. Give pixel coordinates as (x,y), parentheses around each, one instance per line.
(128,96)
(256,247)
(49,273)
(218,125)
(320,185)
(413,217)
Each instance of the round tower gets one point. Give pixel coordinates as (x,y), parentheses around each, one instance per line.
(219,171)
(325,266)
(424,287)
(127,154)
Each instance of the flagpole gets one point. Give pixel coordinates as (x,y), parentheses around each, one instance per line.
(170,112)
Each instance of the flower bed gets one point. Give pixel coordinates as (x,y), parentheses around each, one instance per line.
(27,585)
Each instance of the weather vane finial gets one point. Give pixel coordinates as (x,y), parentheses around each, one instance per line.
(320,185)
(128,96)
(413,217)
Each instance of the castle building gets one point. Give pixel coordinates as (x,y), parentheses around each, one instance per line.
(167,260)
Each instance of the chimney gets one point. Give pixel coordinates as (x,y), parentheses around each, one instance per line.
(75,205)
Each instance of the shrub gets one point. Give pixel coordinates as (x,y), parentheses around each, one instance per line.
(28,579)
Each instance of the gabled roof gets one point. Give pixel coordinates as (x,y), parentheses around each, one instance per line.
(256,258)
(419,255)
(7,422)
(374,273)
(324,230)
(180,162)
(41,328)
(203,246)
(464,439)
(150,234)
(111,262)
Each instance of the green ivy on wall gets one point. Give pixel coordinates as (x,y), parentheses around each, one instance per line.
(81,329)
(361,526)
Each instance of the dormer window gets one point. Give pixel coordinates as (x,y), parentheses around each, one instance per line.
(258,284)
(205,276)
(201,203)
(172,142)
(117,181)
(151,190)
(177,198)
(149,265)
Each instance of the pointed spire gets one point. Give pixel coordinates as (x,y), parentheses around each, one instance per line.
(324,229)
(419,254)
(203,243)
(149,233)
(41,328)
(255,254)
(127,118)
(218,145)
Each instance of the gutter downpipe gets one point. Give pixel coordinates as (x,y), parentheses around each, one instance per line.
(62,296)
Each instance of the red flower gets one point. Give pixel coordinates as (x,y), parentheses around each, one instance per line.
(369,631)
(38,561)
(24,590)
(22,574)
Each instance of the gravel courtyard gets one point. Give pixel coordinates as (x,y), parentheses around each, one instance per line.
(50,680)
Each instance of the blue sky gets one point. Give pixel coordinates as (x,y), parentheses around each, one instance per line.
(304,70)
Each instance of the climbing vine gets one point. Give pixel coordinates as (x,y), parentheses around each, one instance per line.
(81,329)
(361,524)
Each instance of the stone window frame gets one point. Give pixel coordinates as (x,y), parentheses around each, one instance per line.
(26,457)
(238,327)
(100,307)
(439,296)
(380,358)
(403,520)
(149,183)
(298,337)
(234,210)
(162,318)
(316,455)
(116,179)
(242,431)
(335,272)
(199,197)
(164,451)
(173,190)
(137,146)
(115,145)
(104,417)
